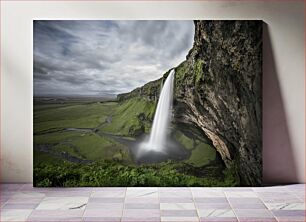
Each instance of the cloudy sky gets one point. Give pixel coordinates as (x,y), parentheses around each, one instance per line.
(101,58)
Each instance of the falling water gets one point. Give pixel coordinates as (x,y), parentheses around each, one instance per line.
(162,117)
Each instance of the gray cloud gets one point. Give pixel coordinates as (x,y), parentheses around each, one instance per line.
(105,57)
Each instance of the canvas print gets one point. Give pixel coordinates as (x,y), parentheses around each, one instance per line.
(147,103)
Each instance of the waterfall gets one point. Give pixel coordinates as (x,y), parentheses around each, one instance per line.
(162,117)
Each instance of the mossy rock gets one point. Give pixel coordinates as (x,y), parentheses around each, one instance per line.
(136,130)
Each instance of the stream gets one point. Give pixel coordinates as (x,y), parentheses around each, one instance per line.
(174,150)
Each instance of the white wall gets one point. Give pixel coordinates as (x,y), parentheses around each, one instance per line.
(284,63)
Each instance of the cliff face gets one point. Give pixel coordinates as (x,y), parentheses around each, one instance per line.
(149,91)
(218,90)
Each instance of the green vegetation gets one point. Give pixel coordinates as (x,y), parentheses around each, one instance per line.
(180,74)
(56,137)
(187,142)
(201,155)
(86,115)
(112,173)
(87,131)
(50,120)
(198,72)
(88,145)
(67,148)
(132,117)
(45,158)
(95,147)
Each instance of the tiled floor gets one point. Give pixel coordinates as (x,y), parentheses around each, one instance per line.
(22,202)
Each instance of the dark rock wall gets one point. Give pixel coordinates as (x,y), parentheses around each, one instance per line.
(218,90)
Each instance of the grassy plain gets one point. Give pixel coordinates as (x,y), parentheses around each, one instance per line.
(68,132)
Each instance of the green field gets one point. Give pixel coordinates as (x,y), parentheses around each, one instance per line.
(84,133)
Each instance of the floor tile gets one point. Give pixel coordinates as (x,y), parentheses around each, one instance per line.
(238,189)
(136,192)
(140,219)
(19,206)
(285,206)
(108,189)
(256,219)
(176,200)
(281,200)
(296,187)
(142,200)
(56,213)
(300,195)
(275,189)
(14,214)
(179,219)
(213,205)
(27,186)
(246,200)
(236,205)
(23,202)
(178,213)
(101,219)
(240,194)
(103,213)
(105,200)
(55,219)
(3,200)
(97,205)
(25,194)
(216,213)
(10,186)
(68,193)
(141,206)
(272,197)
(109,193)
(142,213)
(176,189)
(291,219)
(30,188)
(177,206)
(207,192)
(289,213)
(210,200)
(175,192)
(62,203)
(253,213)
(219,219)
(66,189)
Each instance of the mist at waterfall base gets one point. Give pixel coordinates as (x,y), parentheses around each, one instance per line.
(160,145)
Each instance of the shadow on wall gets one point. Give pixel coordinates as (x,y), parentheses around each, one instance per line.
(278,161)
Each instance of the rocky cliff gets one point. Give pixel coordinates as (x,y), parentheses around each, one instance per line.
(218,90)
